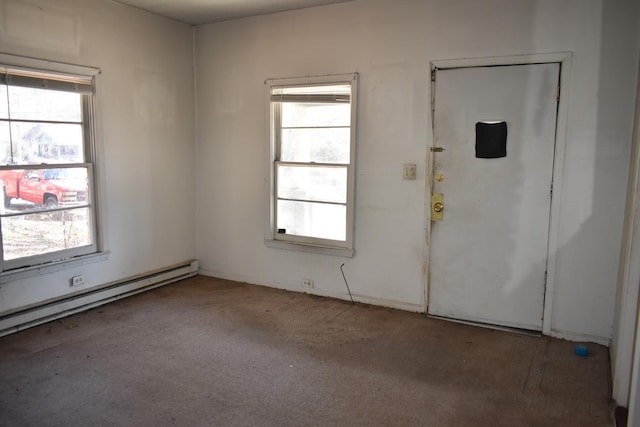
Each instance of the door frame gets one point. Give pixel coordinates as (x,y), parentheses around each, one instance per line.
(564,59)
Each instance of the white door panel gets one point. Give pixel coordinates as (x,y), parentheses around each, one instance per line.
(489,254)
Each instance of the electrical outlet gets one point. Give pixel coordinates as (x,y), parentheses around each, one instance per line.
(77,280)
(307,283)
(409,171)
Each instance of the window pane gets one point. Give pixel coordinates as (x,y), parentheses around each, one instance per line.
(321,145)
(38,189)
(40,233)
(46,208)
(313,219)
(4,112)
(327,184)
(42,143)
(42,104)
(5,143)
(296,114)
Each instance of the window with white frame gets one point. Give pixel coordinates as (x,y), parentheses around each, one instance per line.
(312,163)
(46,164)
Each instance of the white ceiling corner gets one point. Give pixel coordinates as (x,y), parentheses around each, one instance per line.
(196,12)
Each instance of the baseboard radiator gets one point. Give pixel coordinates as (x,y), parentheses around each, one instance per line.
(66,306)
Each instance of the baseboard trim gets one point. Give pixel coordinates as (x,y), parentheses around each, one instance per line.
(380,302)
(578,337)
(56,309)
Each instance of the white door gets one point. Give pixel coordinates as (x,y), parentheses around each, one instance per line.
(488,255)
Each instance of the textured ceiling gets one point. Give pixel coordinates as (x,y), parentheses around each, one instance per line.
(197,12)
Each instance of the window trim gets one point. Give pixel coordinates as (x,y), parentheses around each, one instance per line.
(93,157)
(304,243)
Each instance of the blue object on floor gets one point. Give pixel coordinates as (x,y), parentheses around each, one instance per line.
(581,350)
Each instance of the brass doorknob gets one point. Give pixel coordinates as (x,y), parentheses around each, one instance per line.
(438,207)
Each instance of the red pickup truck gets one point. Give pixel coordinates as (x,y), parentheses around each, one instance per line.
(48,187)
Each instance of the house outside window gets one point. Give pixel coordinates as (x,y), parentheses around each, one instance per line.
(312,163)
(47,157)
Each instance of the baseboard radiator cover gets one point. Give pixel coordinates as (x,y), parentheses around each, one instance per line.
(63,307)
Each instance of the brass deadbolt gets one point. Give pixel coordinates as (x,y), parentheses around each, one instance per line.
(437,207)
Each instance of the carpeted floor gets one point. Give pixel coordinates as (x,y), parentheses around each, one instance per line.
(210,352)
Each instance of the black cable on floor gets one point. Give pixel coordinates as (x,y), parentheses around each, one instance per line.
(345,282)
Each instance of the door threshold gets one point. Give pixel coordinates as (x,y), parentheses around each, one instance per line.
(529,332)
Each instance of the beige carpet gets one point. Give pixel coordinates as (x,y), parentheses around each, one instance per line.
(205,352)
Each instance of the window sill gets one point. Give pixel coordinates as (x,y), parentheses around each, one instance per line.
(301,247)
(51,267)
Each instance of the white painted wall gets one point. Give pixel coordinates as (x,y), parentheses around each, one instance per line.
(147,108)
(390,43)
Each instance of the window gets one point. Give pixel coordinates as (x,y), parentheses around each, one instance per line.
(312,163)
(46,164)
